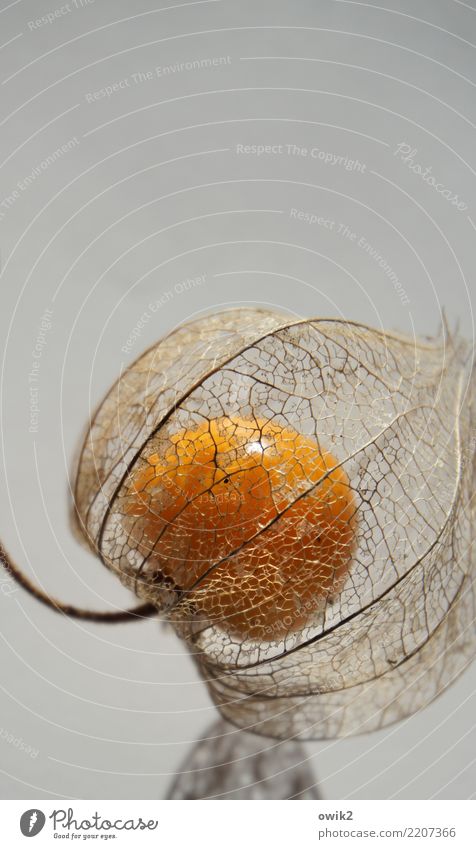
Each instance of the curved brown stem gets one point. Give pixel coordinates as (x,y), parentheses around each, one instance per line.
(142,611)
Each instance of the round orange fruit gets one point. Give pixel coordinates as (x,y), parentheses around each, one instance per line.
(252,520)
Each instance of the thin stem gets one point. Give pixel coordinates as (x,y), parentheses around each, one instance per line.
(142,611)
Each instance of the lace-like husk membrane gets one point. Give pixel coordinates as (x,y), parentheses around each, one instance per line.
(398,415)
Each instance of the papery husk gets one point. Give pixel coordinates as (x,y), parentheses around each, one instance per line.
(399,415)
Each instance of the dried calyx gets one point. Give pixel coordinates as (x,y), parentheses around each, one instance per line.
(295,496)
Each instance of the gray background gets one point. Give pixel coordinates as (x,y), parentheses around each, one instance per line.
(152,193)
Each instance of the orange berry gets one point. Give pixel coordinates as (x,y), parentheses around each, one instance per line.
(246,516)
